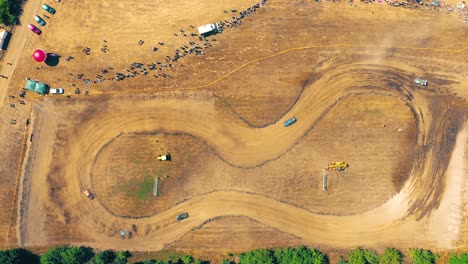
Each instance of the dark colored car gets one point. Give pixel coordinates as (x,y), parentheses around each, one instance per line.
(48,9)
(182,216)
(34,29)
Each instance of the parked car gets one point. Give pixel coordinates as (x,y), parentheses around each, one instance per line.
(182,216)
(39,20)
(48,9)
(34,29)
(56,91)
(88,194)
(289,122)
(420,81)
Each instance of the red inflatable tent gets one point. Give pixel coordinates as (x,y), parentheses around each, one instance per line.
(39,55)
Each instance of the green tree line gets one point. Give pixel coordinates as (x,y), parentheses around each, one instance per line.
(300,255)
(10,10)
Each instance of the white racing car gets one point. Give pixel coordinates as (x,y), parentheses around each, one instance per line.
(56,91)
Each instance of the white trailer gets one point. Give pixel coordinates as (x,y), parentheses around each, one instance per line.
(208,29)
(166,157)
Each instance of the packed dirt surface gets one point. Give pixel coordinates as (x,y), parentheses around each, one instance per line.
(121,186)
(216,236)
(217,105)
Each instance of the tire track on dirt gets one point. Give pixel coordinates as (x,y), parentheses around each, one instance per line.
(377,225)
(291,144)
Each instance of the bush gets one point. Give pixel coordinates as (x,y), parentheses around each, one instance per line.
(454,259)
(363,256)
(422,256)
(391,256)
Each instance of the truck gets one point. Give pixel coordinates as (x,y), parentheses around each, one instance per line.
(420,81)
(208,29)
(289,122)
(88,194)
(36,86)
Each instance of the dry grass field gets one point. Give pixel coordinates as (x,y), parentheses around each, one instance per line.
(344,71)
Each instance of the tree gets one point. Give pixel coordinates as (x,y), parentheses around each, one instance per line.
(73,255)
(103,257)
(225,261)
(301,255)
(284,255)
(260,256)
(64,255)
(309,256)
(9,11)
(463,259)
(422,256)
(361,256)
(122,258)
(391,256)
(187,259)
(152,261)
(53,255)
(10,256)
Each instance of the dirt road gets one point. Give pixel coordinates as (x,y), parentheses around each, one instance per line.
(15,49)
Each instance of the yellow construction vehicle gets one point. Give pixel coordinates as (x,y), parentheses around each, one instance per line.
(339,166)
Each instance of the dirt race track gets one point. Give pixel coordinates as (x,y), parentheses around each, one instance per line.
(344,71)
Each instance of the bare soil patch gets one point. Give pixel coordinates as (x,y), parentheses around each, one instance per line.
(126,187)
(233,234)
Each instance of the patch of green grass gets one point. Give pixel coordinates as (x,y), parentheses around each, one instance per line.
(146,187)
(137,189)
